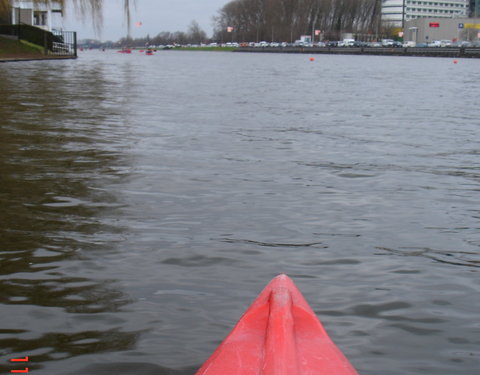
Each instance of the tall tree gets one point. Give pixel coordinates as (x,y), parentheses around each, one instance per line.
(196,34)
(286,20)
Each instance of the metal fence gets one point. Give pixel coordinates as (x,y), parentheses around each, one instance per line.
(64,43)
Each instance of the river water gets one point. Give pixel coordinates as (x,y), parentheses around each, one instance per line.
(146,200)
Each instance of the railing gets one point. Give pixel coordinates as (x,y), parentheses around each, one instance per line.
(64,43)
(60,43)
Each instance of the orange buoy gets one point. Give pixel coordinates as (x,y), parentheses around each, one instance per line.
(312,59)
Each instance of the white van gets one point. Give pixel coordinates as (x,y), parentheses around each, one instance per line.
(387,43)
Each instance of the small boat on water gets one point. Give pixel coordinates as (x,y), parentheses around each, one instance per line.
(125,50)
(279,334)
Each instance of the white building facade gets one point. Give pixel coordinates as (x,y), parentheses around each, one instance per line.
(394,11)
(45,16)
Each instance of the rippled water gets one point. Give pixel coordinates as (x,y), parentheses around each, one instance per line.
(146,200)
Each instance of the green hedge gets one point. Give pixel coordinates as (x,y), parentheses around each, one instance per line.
(31,34)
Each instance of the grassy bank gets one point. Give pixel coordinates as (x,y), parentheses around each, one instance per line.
(10,48)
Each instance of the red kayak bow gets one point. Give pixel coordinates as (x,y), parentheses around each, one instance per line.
(279,334)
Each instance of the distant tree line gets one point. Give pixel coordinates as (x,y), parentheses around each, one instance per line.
(194,35)
(286,20)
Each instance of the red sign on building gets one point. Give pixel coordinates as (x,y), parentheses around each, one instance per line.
(434,24)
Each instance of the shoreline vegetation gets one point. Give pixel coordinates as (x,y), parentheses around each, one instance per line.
(12,48)
(20,50)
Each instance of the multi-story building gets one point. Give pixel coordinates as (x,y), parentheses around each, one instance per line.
(396,12)
(46,15)
(474,8)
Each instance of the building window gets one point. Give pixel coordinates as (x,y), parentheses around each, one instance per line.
(40,18)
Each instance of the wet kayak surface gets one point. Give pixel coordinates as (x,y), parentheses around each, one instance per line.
(279,334)
(146,201)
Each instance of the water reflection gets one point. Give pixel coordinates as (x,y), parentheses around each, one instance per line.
(452,257)
(58,171)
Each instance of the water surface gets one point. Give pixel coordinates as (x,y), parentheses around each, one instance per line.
(146,201)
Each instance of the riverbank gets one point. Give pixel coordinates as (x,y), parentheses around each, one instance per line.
(413,51)
(206,48)
(19,50)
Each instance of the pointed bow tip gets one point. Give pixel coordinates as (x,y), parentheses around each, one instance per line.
(282,280)
(282,277)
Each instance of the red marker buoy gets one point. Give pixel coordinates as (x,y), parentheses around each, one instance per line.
(312,59)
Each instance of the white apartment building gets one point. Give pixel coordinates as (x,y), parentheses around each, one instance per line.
(47,16)
(394,11)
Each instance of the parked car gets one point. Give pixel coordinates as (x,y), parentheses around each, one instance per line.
(462,44)
(387,42)
(434,43)
(261,44)
(348,43)
(359,44)
(466,44)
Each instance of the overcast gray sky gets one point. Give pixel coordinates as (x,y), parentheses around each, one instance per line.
(155,16)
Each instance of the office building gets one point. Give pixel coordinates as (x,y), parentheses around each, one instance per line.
(396,12)
(474,10)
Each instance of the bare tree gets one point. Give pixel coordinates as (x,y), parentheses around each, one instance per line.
(285,20)
(195,33)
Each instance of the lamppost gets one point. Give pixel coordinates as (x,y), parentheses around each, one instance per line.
(403,15)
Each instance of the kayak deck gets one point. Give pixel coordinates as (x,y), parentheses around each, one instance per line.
(279,334)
